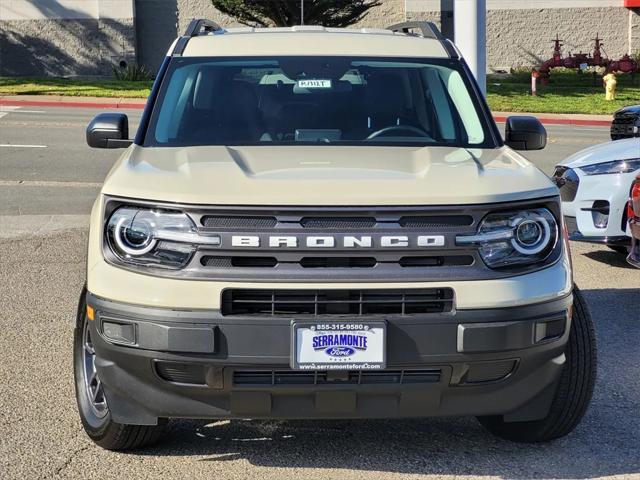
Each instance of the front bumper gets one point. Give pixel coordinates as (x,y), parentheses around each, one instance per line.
(200,364)
(623,128)
(577,236)
(597,212)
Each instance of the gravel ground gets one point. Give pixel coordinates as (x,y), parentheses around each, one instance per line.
(41,436)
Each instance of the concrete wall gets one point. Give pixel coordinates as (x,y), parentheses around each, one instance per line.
(520,33)
(65,37)
(634,31)
(85,37)
(156,29)
(523,38)
(190,9)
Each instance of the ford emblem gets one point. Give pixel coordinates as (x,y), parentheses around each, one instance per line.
(340,351)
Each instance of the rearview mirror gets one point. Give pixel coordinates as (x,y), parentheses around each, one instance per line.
(525,133)
(109,130)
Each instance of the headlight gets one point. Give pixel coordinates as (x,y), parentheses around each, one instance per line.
(514,238)
(154,238)
(617,166)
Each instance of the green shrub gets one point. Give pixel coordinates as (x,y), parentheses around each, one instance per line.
(131,73)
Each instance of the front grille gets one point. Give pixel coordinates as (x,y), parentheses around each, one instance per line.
(336,302)
(436,221)
(625,119)
(568,182)
(439,261)
(181,372)
(228,262)
(272,378)
(341,244)
(342,223)
(338,262)
(238,222)
(238,262)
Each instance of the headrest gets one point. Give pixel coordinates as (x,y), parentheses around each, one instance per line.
(386,95)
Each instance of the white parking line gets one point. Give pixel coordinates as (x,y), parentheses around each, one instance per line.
(28,111)
(22,146)
(592,129)
(5,110)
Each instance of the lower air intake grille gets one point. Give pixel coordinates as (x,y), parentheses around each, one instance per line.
(489,371)
(336,302)
(291,377)
(181,372)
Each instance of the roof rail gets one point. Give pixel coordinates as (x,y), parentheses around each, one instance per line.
(195,28)
(427,29)
(199,24)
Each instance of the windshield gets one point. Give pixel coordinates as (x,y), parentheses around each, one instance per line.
(316,100)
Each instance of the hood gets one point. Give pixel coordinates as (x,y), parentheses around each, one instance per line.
(604,152)
(630,110)
(325,175)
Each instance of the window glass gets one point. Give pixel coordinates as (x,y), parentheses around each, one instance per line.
(317,100)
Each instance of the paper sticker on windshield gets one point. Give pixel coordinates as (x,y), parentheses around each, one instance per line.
(316,83)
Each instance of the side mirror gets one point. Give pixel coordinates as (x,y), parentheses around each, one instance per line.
(109,130)
(525,133)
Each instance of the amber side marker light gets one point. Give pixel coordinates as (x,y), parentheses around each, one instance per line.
(91,314)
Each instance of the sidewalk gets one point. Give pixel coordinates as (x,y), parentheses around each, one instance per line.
(71,102)
(138,103)
(561,118)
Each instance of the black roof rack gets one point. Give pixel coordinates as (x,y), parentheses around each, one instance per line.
(427,29)
(195,28)
(198,24)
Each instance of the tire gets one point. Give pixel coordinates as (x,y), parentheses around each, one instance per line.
(574,391)
(95,415)
(619,249)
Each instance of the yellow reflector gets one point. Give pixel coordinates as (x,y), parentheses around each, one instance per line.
(90,313)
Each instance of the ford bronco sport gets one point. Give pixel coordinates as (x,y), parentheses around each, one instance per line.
(326,223)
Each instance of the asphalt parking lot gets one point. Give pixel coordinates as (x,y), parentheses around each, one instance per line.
(46,190)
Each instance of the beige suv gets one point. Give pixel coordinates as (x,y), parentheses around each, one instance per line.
(326,223)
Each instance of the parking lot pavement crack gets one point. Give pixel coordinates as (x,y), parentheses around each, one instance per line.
(68,461)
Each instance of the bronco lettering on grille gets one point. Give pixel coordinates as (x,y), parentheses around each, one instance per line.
(346,241)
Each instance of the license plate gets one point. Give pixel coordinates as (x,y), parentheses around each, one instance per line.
(338,346)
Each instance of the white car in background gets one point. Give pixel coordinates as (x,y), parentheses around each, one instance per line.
(594,185)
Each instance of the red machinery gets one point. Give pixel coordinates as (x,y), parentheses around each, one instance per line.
(582,60)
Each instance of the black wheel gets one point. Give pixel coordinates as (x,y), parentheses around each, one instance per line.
(619,249)
(92,404)
(574,391)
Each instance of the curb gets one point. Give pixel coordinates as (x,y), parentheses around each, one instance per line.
(578,122)
(132,105)
(124,104)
